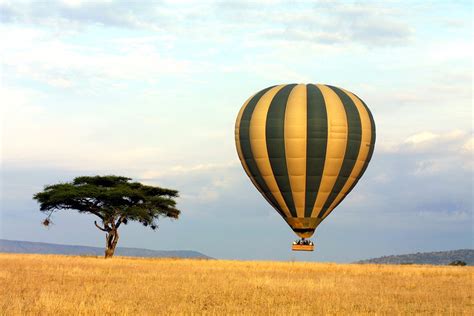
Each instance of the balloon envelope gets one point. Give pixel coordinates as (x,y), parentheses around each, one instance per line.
(304,147)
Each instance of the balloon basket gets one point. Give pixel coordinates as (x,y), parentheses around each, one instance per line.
(302,247)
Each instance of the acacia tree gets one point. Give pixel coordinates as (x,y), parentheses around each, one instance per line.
(113,199)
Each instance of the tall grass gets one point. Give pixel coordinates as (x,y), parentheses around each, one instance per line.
(66,285)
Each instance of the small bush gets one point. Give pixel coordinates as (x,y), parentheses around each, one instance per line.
(457,263)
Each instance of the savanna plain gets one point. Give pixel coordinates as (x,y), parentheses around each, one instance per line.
(72,285)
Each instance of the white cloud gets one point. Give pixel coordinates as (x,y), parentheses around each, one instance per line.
(433,153)
(64,65)
(453,141)
(420,138)
(323,23)
(457,50)
(381,178)
(342,22)
(468,146)
(77,13)
(33,135)
(428,167)
(180,170)
(200,185)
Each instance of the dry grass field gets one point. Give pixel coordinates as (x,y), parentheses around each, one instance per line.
(67,285)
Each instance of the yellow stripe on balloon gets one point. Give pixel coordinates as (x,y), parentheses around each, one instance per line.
(336,146)
(295,145)
(363,151)
(258,143)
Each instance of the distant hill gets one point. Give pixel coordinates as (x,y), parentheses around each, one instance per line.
(435,258)
(15,246)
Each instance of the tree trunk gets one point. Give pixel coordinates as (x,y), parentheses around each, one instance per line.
(111,240)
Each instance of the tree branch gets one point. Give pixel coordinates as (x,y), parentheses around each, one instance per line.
(119,221)
(102,229)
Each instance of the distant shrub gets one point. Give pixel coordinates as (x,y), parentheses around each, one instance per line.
(457,263)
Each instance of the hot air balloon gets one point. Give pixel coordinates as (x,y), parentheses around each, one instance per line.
(304,147)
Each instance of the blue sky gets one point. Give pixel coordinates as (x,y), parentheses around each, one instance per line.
(151,90)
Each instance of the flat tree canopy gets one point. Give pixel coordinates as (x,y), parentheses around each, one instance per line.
(114,200)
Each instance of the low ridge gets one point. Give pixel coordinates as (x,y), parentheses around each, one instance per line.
(434,258)
(16,246)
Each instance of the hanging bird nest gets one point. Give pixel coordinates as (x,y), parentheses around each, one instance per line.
(47,222)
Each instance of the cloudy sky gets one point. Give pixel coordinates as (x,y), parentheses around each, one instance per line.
(151,90)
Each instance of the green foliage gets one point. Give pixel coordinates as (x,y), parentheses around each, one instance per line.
(115,200)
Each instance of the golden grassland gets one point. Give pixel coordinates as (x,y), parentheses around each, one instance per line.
(67,285)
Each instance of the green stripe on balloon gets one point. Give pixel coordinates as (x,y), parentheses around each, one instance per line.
(371,149)
(275,138)
(244,136)
(316,143)
(354,138)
